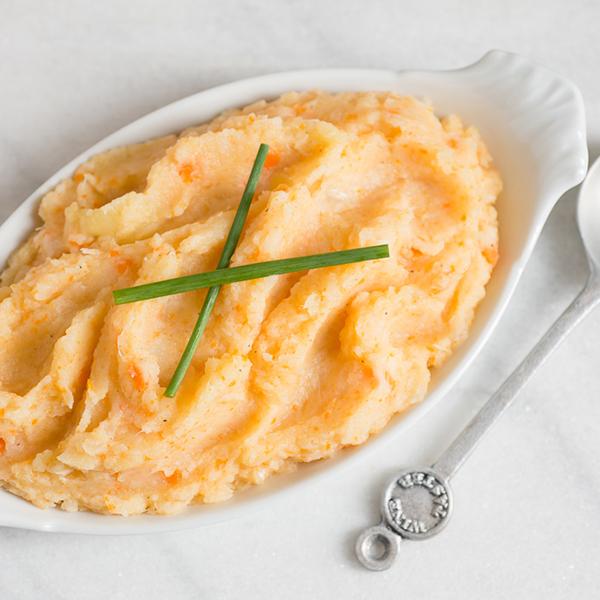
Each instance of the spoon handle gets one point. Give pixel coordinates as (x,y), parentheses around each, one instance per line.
(466,442)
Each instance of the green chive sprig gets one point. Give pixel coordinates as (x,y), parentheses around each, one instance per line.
(228,250)
(179,285)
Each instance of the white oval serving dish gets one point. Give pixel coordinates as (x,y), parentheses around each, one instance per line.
(534,125)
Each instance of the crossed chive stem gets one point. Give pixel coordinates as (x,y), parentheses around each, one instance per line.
(213,280)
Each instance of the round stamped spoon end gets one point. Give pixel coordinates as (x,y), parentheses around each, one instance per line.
(416,505)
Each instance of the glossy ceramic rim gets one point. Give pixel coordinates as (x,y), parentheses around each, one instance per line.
(534,124)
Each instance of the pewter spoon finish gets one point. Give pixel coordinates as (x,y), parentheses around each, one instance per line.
(417,502)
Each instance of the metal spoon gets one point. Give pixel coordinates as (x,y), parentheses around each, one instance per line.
(417,502)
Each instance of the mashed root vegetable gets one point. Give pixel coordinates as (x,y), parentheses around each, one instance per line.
(290,368)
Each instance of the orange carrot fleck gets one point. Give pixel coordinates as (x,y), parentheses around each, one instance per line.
(185,172)
(123,264)
(272,159)
(78,177)
(174,477)
(491,255)
(2,445)
(138,380)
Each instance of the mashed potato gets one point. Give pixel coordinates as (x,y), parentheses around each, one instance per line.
(290,368)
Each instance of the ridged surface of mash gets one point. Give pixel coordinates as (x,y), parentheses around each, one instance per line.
(290,368)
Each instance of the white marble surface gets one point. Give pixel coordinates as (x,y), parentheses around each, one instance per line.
(527,515)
